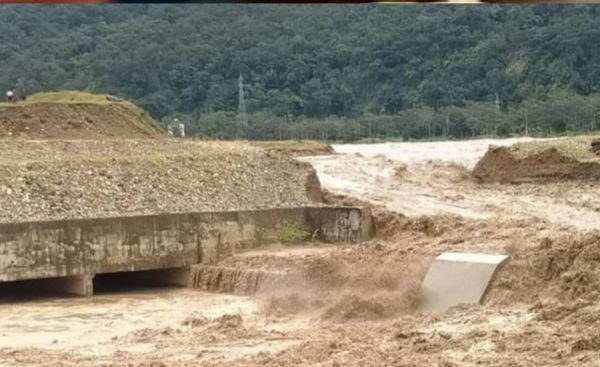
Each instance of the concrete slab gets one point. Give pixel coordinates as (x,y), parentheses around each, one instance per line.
(457,277)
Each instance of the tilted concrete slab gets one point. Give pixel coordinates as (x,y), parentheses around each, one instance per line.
(456,278)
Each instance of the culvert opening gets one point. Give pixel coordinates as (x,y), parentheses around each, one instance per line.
(140,280)
(32,289)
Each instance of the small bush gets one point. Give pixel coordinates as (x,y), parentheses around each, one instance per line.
(288,232)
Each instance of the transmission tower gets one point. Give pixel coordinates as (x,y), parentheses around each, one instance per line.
(242,117)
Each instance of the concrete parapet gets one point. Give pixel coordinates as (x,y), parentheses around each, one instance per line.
(76,249)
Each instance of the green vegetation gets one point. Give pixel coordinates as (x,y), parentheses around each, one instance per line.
(321,72)
(74,97)
(288,233)
(63,97)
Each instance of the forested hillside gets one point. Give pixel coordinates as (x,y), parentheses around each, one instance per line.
(337,72)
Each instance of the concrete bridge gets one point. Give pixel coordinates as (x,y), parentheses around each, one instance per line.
(66,255)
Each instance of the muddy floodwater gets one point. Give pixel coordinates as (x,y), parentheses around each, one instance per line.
(89,324)
(357,304)
(434,178)
(134,323)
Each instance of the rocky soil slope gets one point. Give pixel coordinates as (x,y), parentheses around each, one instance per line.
(54,179)
(76,121)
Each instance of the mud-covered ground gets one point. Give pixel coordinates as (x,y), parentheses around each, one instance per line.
(357,305)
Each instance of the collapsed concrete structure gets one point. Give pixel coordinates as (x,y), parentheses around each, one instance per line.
(66,255)
(456,277)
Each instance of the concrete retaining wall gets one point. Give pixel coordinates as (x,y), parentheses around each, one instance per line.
(84,247)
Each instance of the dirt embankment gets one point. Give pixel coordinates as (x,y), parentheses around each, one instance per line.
(500,164)
(296,147)
(565,268)
(55,179)
(78,155)
(77,121)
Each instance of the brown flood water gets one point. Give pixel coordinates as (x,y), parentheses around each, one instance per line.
(132,323)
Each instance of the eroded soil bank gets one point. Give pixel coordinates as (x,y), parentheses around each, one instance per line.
(500,164)
(116,119)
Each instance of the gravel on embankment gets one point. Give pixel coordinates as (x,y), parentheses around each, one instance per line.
(58,179)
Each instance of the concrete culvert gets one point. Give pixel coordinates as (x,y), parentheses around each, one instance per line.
(139,280)
(31,289)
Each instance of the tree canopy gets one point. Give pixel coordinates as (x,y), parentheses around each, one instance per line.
(338,65)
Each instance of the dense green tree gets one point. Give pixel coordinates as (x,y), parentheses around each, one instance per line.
(332,72)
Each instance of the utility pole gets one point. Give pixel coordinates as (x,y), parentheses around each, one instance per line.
(242,117)
(526,125)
